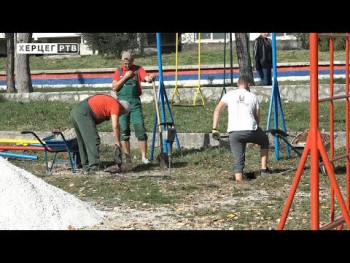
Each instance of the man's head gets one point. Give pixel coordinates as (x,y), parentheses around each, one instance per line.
(125,106)
(264,35)
(127,59)
(243,82)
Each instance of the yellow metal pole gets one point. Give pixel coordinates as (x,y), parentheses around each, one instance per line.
(18,141)
(176,91)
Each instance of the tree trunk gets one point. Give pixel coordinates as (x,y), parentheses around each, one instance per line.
(23,77)
(10,62)
(141,37)
(243,55)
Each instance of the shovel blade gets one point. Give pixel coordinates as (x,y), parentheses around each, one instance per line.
(163,160)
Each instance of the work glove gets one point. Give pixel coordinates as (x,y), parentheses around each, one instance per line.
(216,134)
(118,156)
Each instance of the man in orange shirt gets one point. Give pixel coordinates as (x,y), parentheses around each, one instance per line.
(127,85)
(89,113)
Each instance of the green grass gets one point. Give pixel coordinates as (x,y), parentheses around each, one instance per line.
(210,57)
(44,116)
(201,181)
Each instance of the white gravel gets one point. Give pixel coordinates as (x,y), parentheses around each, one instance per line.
(29,203)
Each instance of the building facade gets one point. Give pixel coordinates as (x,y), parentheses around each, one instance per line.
(186,41)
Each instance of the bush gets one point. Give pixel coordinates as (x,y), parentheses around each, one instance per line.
(323,43)
(112,43)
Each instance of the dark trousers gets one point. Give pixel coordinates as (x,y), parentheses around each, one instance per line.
(238,142)
(84,124)
(265,76)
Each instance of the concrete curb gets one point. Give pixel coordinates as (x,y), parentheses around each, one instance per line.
(295,93)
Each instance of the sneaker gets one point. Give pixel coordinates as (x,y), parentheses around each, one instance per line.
(145,161)
(266,171)
(128,159)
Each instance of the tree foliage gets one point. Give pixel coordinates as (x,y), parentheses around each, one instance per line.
(113,43)
(323,43)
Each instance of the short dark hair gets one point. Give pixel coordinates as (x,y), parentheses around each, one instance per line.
(243,80)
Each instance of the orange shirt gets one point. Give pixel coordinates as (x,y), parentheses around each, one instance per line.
(140,77)
(104,106)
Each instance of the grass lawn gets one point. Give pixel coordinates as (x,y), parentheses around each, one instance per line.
(201,194)
(45,116)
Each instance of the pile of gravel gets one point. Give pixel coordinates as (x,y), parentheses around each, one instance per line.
(29,203)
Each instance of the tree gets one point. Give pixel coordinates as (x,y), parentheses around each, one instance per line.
(10,62)
(243,55)
(24,81)
(114,43)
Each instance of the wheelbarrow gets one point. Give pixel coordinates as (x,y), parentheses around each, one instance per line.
(297,148)
(68,146)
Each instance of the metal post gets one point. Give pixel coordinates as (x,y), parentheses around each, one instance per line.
(314,186)
(224,81)
(275,101)
(231,60)
(162,96)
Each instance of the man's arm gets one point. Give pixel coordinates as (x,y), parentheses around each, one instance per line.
(220,107)
(257,116)
(118,84)
(150,78)
(255,55)
(116,129)
(144,76)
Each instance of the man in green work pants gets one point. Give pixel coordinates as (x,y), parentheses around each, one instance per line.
(85,116)
(127,85)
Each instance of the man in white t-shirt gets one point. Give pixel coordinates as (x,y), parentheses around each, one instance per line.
(243,125)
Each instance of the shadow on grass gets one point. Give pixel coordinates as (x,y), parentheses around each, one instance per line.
(250,176)
(142,167)
(340,169)
(185,152)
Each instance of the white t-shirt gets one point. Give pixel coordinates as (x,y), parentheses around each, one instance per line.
(241,105)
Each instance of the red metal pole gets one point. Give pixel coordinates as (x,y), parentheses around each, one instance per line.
(347,122)
(333,180)
(314,187)
(331,114)
(294,186)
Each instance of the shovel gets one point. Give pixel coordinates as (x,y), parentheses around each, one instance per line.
(162,157)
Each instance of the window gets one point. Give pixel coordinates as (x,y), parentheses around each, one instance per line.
(213,36)
(218,35)
(203,35)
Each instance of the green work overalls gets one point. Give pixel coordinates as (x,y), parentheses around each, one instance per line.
(130,92)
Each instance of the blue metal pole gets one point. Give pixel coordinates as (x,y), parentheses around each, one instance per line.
(172,120)
(274,83)
(283,122)
(270,110)
(276,90)
(21,156)
(161,90)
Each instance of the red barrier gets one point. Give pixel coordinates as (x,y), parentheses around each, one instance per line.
(314,145)
(21,148)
